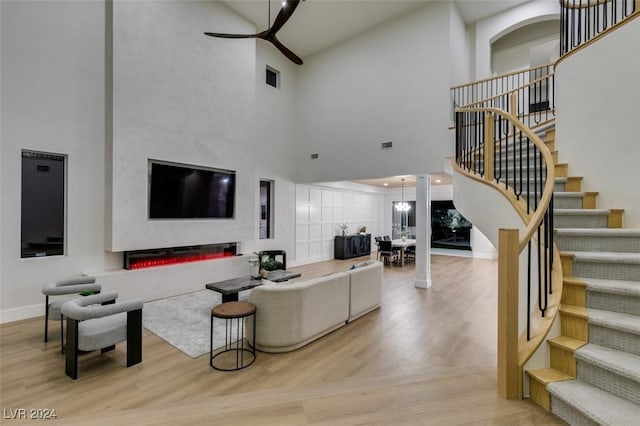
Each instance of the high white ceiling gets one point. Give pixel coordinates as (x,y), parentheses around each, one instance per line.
(318,24)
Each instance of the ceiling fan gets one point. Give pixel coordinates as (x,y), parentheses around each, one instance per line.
(288,6)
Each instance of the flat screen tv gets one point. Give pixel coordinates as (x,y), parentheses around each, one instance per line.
(179,191)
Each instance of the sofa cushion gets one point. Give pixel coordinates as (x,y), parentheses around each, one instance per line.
(290,316)
(365,289)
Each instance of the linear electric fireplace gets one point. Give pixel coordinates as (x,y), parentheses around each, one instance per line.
(170,256)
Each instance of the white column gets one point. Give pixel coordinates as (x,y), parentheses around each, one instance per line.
(423,231)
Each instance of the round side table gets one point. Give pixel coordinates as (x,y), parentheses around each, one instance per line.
(231,311)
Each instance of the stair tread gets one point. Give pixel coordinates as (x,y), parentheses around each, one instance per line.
(586,212)
(566,342)
(569,194)
(596,404)
(548,375)
(576,311)
(615,320)
(599,232)
(607,257)
(618,362)
(626,288)
(574,281)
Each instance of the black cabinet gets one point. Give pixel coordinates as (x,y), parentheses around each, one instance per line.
(348,246)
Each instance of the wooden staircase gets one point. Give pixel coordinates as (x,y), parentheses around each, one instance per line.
(574,316)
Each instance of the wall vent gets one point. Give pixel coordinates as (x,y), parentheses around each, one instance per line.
(273,77)
(386,145)
(314,156)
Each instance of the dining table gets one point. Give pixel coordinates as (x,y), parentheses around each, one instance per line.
(402,244)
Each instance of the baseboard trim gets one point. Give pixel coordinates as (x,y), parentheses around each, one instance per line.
(24,312)
(485,255)
(422,283)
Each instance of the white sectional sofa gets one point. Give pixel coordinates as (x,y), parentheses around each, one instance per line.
(365,288)
(293,314)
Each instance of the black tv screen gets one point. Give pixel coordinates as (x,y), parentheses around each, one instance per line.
(179,191)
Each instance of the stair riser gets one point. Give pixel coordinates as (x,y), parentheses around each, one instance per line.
(575,327)
(557,186)
(569,414)
(573,294)
(614,339)
(608,381)
(560,202)
(611,271)
(598,243)
(538,393)
(562,360)
(622,303)
(580,221)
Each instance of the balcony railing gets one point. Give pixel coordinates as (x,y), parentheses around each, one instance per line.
(526,94)
(582,20)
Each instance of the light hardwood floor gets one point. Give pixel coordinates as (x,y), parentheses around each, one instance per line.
(427,357)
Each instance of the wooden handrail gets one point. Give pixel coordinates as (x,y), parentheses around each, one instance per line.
(546,77)
(547,193)
(499,76)
(514,351)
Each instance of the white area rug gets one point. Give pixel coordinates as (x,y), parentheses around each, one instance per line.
(185,321)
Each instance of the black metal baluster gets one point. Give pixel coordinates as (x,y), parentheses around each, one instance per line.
(528,290)
(551,237)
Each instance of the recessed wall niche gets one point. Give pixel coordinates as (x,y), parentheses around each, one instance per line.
(42,229)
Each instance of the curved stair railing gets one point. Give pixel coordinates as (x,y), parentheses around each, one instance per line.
(583,20)
(495,144)
(494,147)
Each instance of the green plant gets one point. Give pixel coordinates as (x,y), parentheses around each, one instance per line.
(268,263)
(86,292)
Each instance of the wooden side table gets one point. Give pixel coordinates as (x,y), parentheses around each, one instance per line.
(231,311)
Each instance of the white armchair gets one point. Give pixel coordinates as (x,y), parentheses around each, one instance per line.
(98,322)
(66,287)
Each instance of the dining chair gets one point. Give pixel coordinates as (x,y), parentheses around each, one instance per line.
(378,239)
(386,251)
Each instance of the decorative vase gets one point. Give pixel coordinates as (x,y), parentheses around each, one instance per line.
(263,273)
(253,268)
(403,238)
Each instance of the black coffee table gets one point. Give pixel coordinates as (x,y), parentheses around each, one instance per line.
(230,288)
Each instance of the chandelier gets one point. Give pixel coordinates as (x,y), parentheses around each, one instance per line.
(403,207)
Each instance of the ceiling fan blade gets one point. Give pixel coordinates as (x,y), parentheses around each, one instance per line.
(286,52)
(283,16)
(223,35)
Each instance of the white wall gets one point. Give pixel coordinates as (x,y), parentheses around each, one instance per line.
(490,211)
(392,84)
(597,123)
(459,51)
(492,28)
(320,211)
(180,96)
(52,101)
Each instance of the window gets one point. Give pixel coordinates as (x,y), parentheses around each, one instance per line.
(266,192)
(273,77)
(403,221)
(43,204)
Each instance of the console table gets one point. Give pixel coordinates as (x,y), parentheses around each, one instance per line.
(348,246)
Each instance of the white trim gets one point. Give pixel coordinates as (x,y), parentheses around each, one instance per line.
(422,283)
(21,313)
